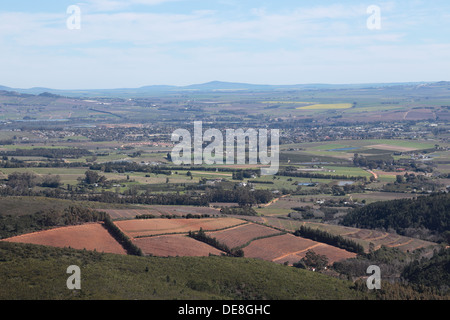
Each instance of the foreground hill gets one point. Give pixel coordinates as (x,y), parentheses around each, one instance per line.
(423,217)
(39,272)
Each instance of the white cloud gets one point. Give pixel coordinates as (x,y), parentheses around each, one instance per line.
(128,49)
(114,5)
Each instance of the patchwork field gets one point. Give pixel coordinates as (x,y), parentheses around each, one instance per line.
(362,236)
(242,234)
(168,237)
(174,245)
(152,227)
(91,236)
(289,249)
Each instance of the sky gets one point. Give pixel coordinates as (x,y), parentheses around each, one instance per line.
(107,44)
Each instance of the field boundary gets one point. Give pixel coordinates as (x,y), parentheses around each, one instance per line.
(181,233)
(297,252)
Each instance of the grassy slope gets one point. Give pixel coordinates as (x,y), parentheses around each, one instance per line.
(29,205)
(38,272)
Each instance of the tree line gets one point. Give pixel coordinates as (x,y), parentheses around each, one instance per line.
(242,211)
(289,173)
(328,238)
(55,153)
(44,219)
(203,237)
(129,166)
(122,238)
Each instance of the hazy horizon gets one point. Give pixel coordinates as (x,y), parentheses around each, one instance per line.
(224,82)
(109,44)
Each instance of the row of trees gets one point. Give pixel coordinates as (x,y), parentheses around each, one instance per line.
(244,196)
(242,211)
(14,225)
(122,238)
(290,173)
(203,237)
(328,238)
(54,153)
(173,216)
(26,180)
(129,166)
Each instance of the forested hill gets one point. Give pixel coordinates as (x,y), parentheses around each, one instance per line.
(425,216)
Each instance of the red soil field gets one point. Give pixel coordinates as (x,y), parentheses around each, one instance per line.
(91,236)
(289,248)
(240,235)
(174,245)
(150,227)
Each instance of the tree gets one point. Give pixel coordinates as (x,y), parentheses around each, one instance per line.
(51,181)
(314,260)
(23,180)
(92,177)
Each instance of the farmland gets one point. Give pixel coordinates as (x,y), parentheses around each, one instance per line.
(87,236)
(242,235)
(175,245)
(327,106)
(340,152)
(168,237)
(158,211)
(151,227)
(290,249)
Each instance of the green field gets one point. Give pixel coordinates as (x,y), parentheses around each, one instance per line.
(333,106)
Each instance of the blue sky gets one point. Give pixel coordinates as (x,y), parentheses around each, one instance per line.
(136,43)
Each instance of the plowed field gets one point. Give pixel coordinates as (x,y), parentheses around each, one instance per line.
(174,245)
(151,227)
(92,236)
(289,248)
(240,235)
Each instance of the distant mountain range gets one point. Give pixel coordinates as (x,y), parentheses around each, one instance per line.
(212,86)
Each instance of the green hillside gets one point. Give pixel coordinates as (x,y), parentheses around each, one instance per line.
(424,213)
(38,272)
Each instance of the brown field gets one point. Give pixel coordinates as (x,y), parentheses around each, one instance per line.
(159,211)
(91,236)
(290,249)
(240,235)
(420,114)
(362,236)
(151,227)
(174,245)
(391,147)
